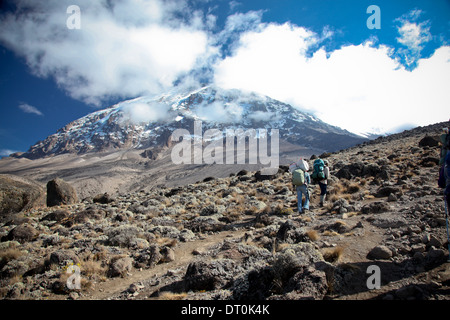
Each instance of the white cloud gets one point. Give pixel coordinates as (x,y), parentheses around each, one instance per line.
(220,112)
(234,4)
(413,36)
(140,47)
(360,88)
(142,113)
(123,49)
(25,107)
(6,152)
(264,116)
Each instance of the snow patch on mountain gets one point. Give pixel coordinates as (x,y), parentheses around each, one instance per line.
(148,121)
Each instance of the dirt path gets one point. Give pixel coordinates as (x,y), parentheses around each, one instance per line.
(183,256)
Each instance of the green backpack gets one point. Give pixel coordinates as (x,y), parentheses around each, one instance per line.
(298,177)
(318,171)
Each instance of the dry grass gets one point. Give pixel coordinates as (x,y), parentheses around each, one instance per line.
(329,233)
(281,246)
(172,296)
(90,268)
(85,284)
(305,218)
(280,210)
(333,255)
(352,188)
(351,214)
(313,235)
(168,242)
(9,254)
(233,216)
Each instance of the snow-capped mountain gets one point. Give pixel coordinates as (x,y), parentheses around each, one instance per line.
(147,122)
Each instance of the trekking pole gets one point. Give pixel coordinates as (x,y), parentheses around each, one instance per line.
(446,223)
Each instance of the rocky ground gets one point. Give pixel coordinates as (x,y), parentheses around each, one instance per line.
(240,237)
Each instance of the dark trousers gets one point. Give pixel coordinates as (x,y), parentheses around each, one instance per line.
(323,188)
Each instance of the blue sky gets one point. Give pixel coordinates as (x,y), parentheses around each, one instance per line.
(320,56)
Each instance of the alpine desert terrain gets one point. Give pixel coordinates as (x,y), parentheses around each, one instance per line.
(128,147)
(380,235)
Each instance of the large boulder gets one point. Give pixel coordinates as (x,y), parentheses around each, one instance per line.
(292,274)
(22,233)
(212,275)
(60,192)
(63,257)
(429,141)
(120,266)
(104,198)
(307,284)
(380,252)
(122,236)
(18,194)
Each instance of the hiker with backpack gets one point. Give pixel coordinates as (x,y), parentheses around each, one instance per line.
(445,141)
(301,180)
(321,174)
(444,178)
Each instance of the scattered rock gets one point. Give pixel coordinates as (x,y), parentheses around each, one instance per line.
(122,236)
(17,194)
(63,258)
(307,284)
(149,257)
(120,266)
(207,276)
(58,216)
(429,141)
(60,192)
(386,191)
(380,252)
(375,207)
(22,233)
(104,198)
(277,254)
(167,255)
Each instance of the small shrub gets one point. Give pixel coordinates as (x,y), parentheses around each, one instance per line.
(172,296)
(333,255)
(313,235)
(8,255)
(353,188)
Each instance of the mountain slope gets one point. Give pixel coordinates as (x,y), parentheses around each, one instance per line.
(147,122)
(380,236)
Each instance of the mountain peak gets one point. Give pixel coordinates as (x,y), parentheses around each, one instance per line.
(148,121)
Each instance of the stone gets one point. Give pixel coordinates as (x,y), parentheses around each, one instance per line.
(406,292)
(167,254)
(104,198)
(17,194)
(385,221)
(392,198)
(429,141)
(62,257)
(22,233)
(122,236)
(380,252)
(434,242)
(375,207)
(57,216)
(149,257)
(12,268)
(60,192)
(201,275)
(309,283)
(120,266)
